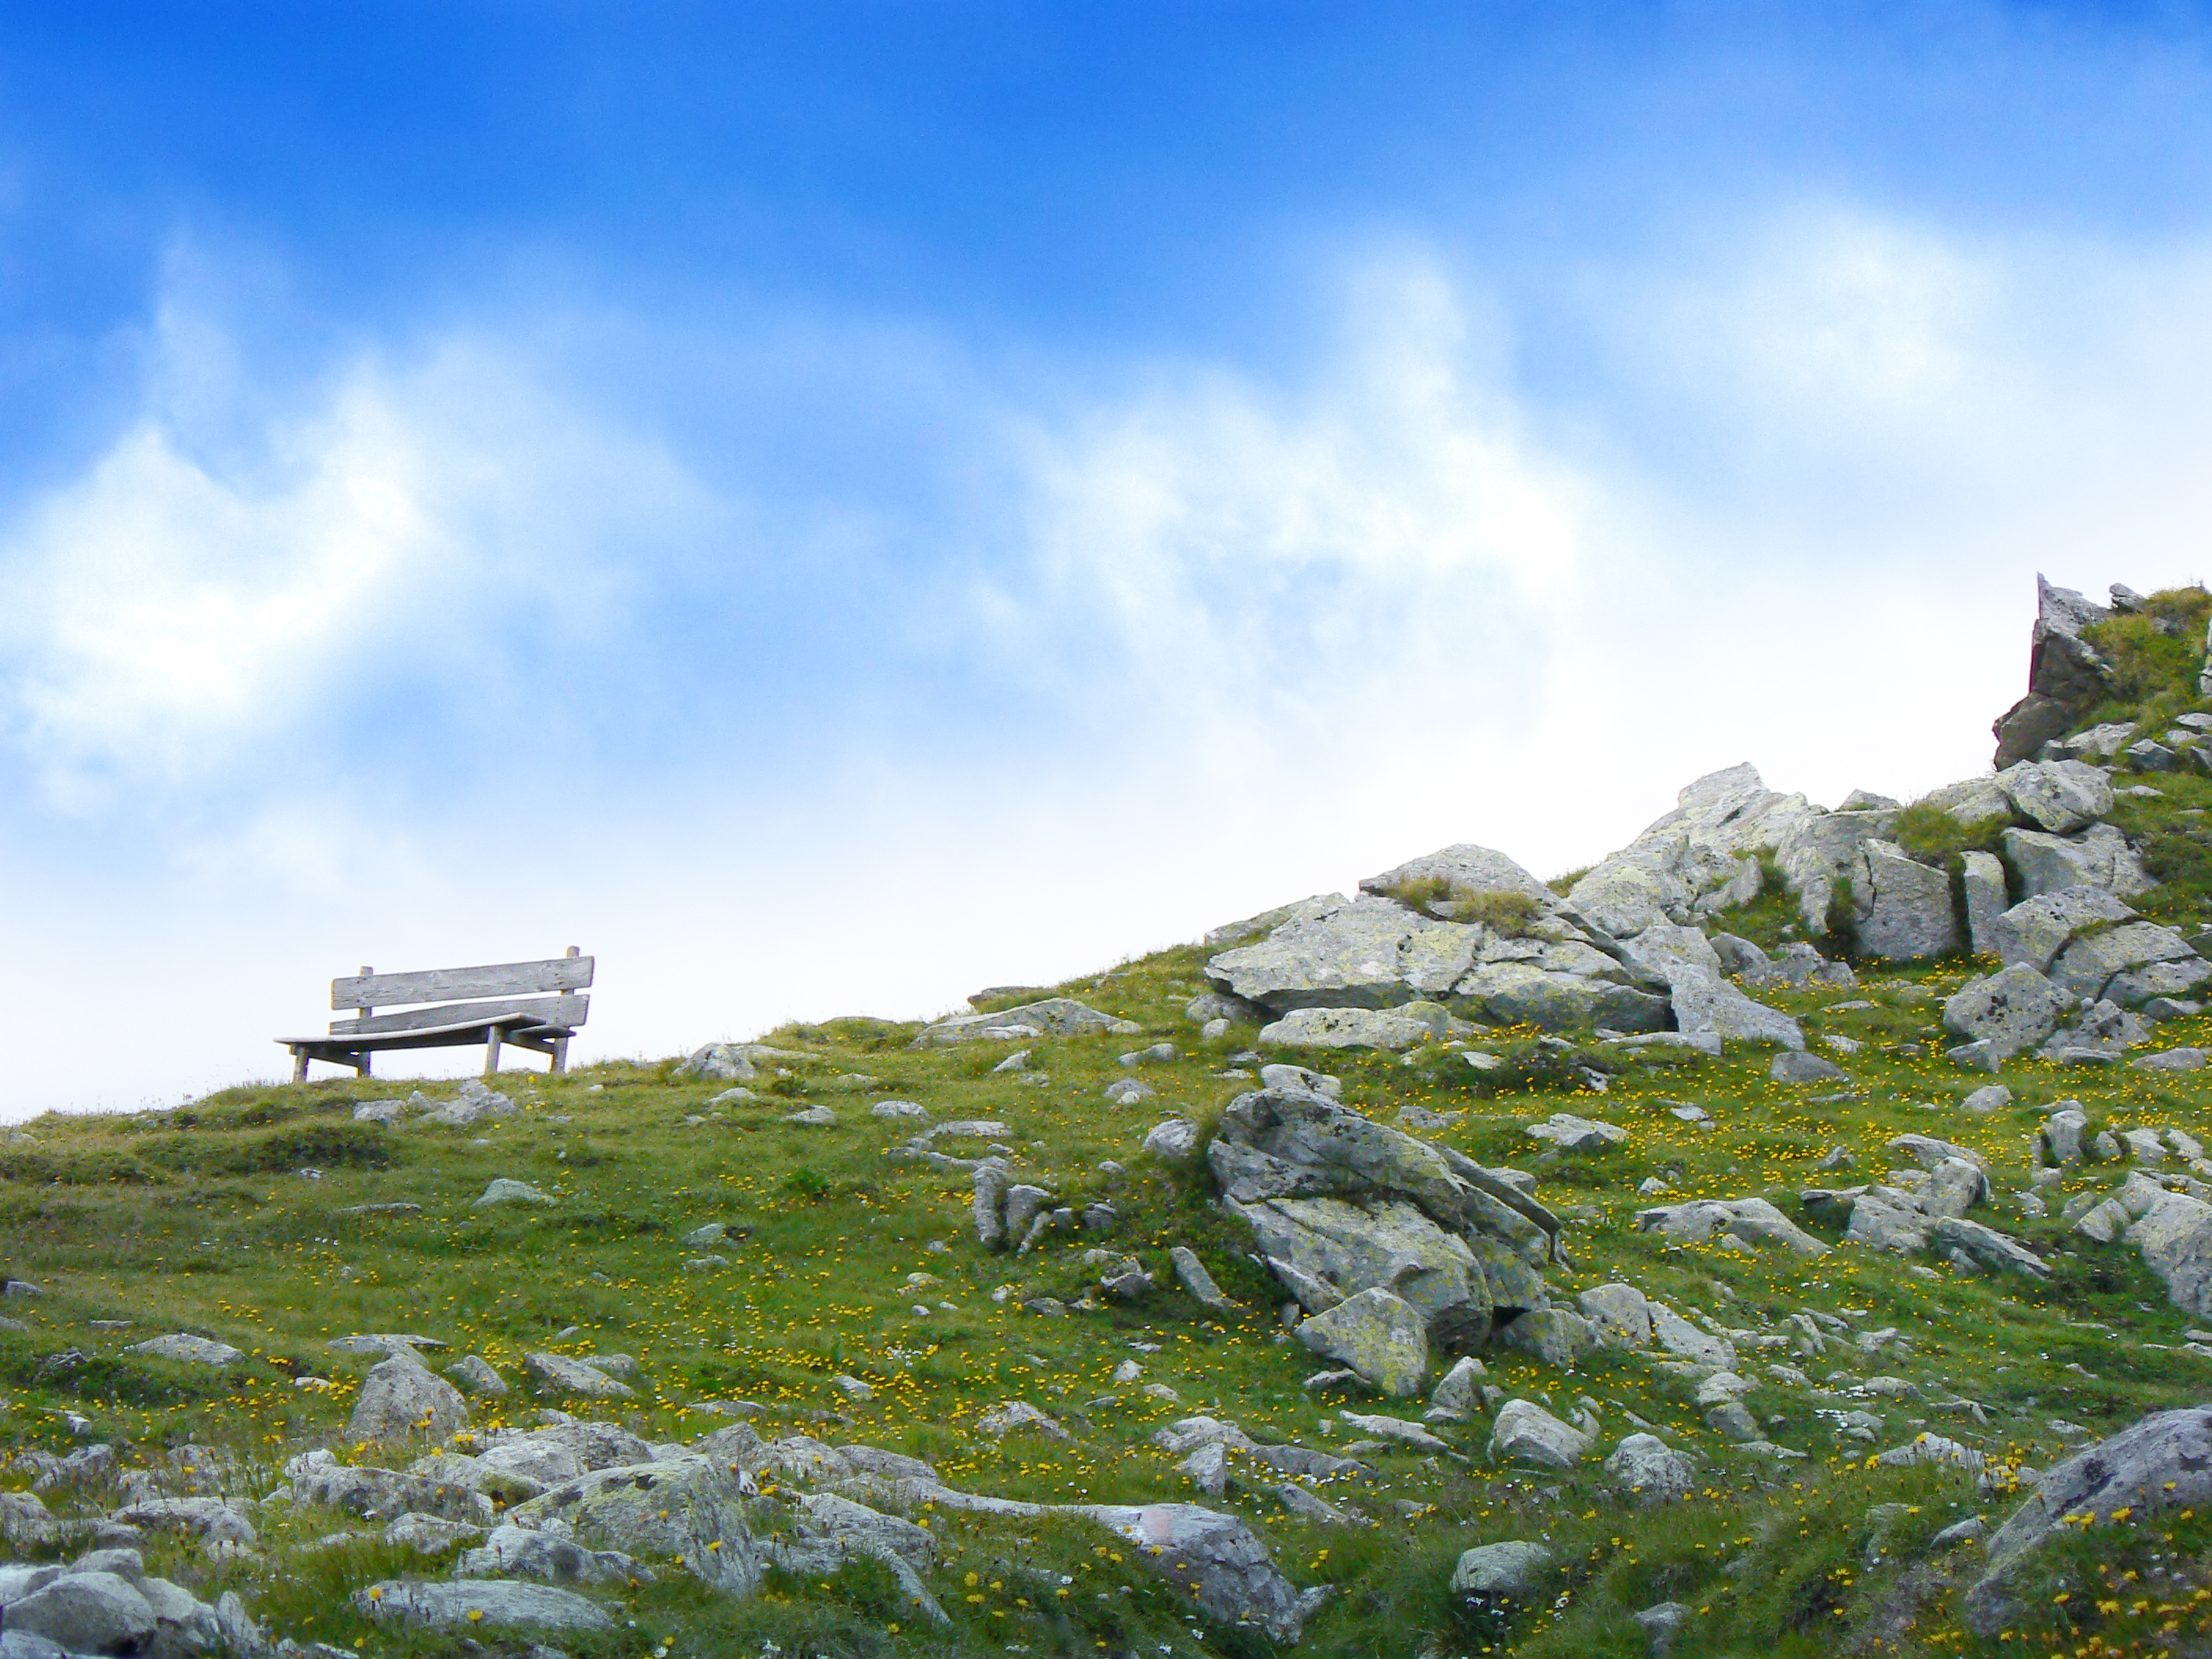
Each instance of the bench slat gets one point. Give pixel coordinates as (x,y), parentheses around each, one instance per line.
(498,979)
(440,1036)
(565,1011)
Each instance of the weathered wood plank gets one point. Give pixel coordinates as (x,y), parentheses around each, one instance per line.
(498,979)
(442,1037)
(564,1011)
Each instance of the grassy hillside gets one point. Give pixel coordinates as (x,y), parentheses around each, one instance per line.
(201,1220)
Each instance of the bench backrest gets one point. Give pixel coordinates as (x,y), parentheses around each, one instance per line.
(507,988)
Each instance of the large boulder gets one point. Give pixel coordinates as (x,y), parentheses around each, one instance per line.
(2160,1464)
(2098,857)
(189,1349)
(1706,1002)
(511,1552)
(1339,1249)
(2034,931)
(86,1612)
(2058,796)
(2175,1239)
(1526,1433)
(1982,884)
(1366,953)
(557,1374)
(1750,1223)
(1819,850)
(1340,1204)
(1377,1335)
(401,1399)
(692,1508)
(1511,1569)
(1690,854)
(2130,964)
(2066,675)
(1350,1028)
(1049,1017)
(1900,909)
(1216,1560)
(1651,1470)
(2008,1012)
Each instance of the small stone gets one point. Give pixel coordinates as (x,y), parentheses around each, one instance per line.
(505,1191)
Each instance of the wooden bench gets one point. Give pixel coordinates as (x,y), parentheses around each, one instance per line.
(516,1012)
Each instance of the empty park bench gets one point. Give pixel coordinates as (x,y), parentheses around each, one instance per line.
(516,1011)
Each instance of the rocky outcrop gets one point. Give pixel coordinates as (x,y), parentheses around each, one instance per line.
(1691,855)
(1339,1206)
(2066,677)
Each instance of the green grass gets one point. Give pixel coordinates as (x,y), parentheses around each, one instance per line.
(199,1219)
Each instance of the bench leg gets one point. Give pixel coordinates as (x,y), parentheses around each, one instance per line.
(299,1064)
(491,1052)
(560,1055)
(361,1066)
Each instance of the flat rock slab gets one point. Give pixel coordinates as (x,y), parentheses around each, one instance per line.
(495,1602)
(192,1350)
(504,1191)
(565,1375)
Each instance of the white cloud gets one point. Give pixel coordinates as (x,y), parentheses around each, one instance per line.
(169,618)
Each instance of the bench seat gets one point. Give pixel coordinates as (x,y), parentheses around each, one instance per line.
(541,1024)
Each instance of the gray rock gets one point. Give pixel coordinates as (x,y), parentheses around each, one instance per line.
(1794,1065)
(1566,1132)
(2130,964)
(505,1191)
(1704,1002)
(86,1612)
(1986,899)
(212,1520)
(1796,965)
(1511,1570)
(401,1399)
(1233,934)
(556,1374)
(719,1062)
(1651,1469)
(1455,1398)
(514,1552)
(2174,1236)
(2062,1132)
(990,1204)
(1552,1335)
(1737,956)
(2103,1030)
(24,1520)
(812,1117)
(1619,1312)
(1990,1097)
(1819,850)
(1525,1432)
(1128,1091)
(2098,857)
(1751,1223)
(2058,796)
(1347,1028)
(1661,1624)
(2010,1010)
(1051,1016)
(2170,1059)
(890,1108)
(1901,909)
(1191,1273)
(1367,952)
(1690,862)
(492,1602)
(2160,1463)
(2036,930)
(472,1102)
(1210,1005)
(692,1508)
(1376,1333)
(191,1350)
(1175,1140)
(1215,1560)
(1986,1247)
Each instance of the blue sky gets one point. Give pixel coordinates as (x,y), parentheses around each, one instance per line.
(828,507)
